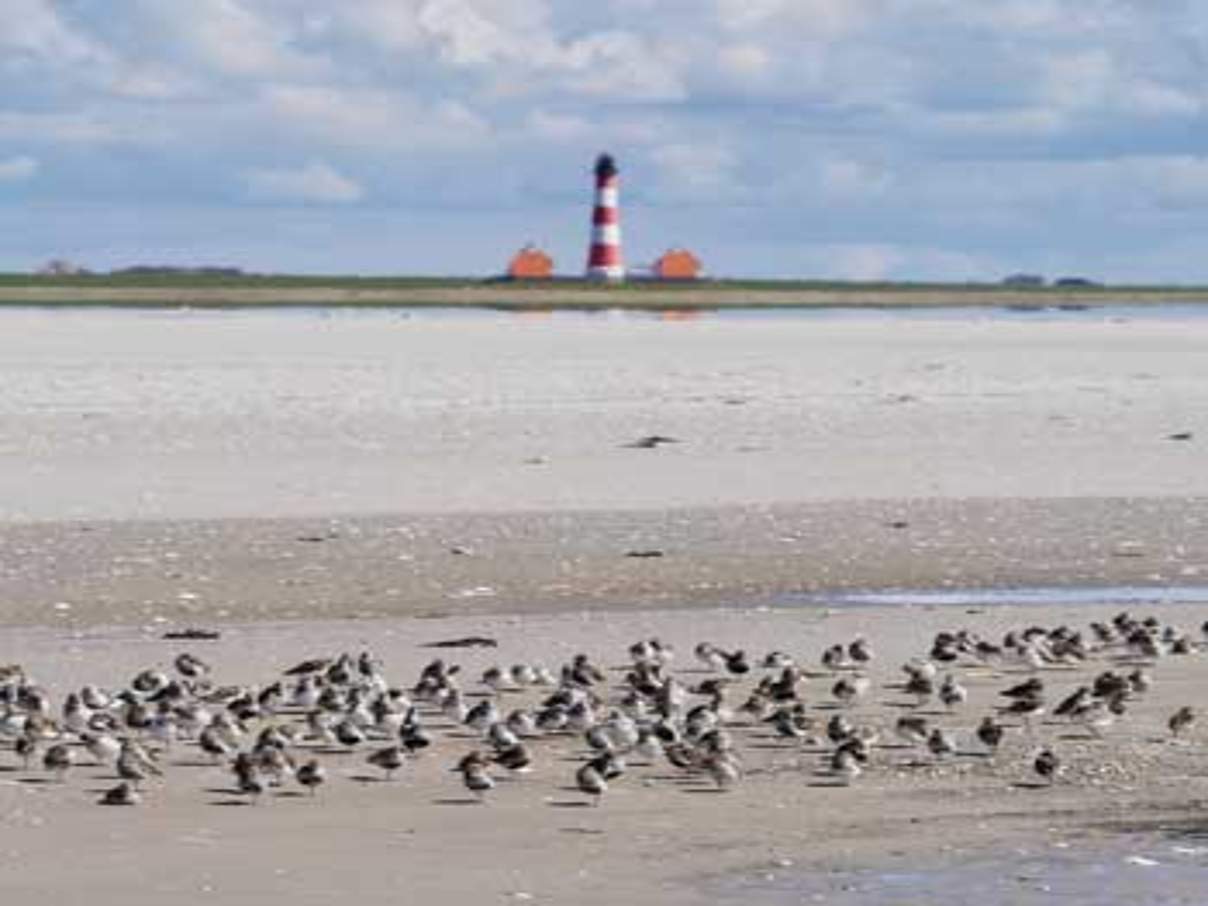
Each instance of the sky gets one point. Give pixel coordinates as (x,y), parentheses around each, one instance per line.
(850,139)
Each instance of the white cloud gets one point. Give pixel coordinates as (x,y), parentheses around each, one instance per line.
(853,179)
(151,83)
(820,18)
(36,28)
(70,128)
(891,261)
(863,262)
(373,119)
(18,169)
(515,46)
(1175,182)
(1150,98)
(744,60)
(622,66)
(317,181)
(695,170)
(233,38)
(990,124)
(558,127)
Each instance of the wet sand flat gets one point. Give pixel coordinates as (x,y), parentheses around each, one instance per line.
(178,572)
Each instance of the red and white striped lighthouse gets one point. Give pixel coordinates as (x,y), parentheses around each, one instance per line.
(604,261)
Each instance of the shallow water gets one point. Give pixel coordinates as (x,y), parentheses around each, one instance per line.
(1123,595)
(1130,871)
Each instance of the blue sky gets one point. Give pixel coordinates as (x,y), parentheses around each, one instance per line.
(919,139)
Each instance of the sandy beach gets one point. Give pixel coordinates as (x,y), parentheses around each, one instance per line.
(310,484)
(660,835)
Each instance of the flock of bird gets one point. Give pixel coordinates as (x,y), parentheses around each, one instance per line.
(648,712)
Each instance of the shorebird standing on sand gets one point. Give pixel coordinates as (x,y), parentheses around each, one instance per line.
(990,733)
(1181,720)
(57,759)
(912,729)
(723,767)
(474,775)
(389,759)
(845,764)
(134,764)
(591,781)
(191,667)
(860,651)
(122,794)
(1047,765)
(849,689)
(940,743)
(952,693)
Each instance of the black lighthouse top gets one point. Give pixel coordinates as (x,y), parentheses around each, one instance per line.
(605,166)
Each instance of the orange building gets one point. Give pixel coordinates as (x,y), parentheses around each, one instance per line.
(530,263)
(677,264)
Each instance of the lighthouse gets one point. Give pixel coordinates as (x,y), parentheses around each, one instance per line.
(604,261)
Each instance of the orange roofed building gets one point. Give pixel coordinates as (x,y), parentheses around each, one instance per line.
(530,263)
(677,264)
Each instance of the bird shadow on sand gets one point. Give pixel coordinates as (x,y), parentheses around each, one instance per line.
(584,831)
(36,781)
(704,789)
(570,803)
(828,784)
(466,801)
(8,769)
(1031,785)
(232,803)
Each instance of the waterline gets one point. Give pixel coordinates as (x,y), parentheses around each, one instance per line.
(1124,595)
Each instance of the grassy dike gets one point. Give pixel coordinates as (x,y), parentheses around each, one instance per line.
(283,291)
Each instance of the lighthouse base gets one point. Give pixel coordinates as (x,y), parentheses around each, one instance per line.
(606,274)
